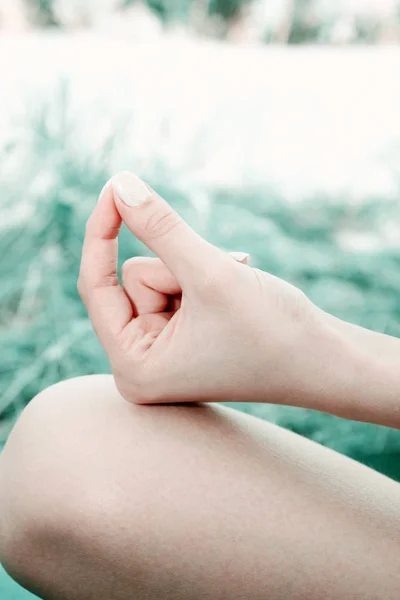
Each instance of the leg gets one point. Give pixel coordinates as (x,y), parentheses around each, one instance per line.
(101,499)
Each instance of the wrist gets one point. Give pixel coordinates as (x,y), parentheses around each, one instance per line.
(352,382)
(380,345)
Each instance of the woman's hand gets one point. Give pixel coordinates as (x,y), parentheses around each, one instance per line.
(194,323)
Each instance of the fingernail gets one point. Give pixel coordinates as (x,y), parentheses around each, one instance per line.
(103,191)
(240,256)
(130,188)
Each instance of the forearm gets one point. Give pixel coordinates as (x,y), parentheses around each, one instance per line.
(376,359)
(378,344)
(353,373)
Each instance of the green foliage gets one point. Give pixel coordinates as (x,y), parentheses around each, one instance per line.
(46,6)
(44,9)
(306,21)
(170,10)
(227,9)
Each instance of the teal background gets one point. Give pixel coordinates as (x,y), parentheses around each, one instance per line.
(10,590)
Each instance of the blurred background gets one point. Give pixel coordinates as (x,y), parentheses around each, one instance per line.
(272,126)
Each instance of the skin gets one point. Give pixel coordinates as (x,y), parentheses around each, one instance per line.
(102,498)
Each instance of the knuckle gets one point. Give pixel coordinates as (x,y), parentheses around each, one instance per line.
(161,222)
(137,261)
(300,304)
(126,269)
(218,280)
(106,281)
(134,264)
(260,278)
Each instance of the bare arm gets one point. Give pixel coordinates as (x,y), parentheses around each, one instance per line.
(357,374)
(378,344)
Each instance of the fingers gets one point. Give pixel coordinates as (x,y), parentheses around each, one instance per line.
(160,228)
(108,306)
(151,286)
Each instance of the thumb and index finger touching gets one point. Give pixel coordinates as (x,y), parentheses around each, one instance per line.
(150,218)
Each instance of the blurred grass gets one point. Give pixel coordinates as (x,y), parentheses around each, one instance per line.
(282,21)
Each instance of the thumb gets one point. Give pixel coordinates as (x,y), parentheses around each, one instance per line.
(152,220)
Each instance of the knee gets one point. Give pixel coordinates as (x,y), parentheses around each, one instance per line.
(80,459)
(38,496)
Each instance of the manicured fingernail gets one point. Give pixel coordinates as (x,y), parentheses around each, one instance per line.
(103,191)
(130,188)
(240,256)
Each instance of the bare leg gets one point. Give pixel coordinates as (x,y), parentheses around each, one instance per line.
(101,499)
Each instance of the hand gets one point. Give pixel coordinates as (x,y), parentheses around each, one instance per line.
(193,324)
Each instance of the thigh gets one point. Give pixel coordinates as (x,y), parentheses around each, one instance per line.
(192,502)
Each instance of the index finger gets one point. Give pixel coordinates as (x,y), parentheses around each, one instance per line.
(108,306)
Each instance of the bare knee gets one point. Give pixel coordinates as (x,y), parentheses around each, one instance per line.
(79,457)
(39,495)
